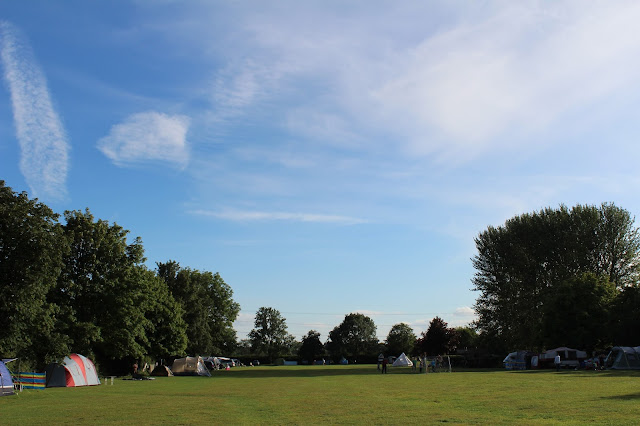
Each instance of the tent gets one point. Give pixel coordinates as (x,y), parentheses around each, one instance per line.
(75,370)
(189,366)
(623,358)
(402,361)
(162,370)
(6,384)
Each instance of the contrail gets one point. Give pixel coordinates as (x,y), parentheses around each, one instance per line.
(43,143)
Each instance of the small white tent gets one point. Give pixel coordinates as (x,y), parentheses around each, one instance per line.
(402,361)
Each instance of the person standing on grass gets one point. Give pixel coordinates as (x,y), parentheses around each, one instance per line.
(384,365)
(556,361)
(380,359)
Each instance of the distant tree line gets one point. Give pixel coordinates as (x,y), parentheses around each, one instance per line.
(80,286)
(354,340)
(559,277)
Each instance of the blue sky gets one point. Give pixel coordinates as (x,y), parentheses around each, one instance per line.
(325,157)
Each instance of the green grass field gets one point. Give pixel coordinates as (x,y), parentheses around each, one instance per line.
(339,395)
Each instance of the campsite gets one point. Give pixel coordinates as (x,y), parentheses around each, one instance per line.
(340,394)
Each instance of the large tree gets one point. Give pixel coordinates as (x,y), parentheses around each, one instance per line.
(31,248)
(401,338)
(439,339)
(354,338)
(311,348)
(208,306)
(269,337)
(521,265)
(111,306)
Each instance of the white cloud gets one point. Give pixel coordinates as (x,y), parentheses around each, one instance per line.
(44,147)
(250,216)
(148,136)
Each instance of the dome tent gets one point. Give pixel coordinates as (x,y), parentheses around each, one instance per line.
(189,366)
(623,358)
(6,383)
(75,370)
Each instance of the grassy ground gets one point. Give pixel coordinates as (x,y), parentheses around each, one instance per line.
(340,395)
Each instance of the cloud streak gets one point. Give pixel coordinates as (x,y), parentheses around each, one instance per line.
(44,147)
(252,216)
(148,137)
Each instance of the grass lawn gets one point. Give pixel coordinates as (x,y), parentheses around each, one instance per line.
(338,395)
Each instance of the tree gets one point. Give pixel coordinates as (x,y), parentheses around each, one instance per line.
(208,305)
(31,248)
(269,337)
(439,339)
(625,316)
(467,337)
(311,348)
(111,307)
(520,265)
(578,314)
(354,338)
(401,338)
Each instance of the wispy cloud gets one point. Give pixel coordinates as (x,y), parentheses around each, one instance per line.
(250,216)
(44,147)
(148,137)
(476,82)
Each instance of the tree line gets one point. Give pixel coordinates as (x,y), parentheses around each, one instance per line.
(80,286)
(353,339)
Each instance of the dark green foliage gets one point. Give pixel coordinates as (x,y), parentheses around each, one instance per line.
(578,314)
(114,308)
(354,338)
(625,317)
(80,287)
(401,338)
(31,248)
(311,348)
(523,267)
(439,339)
(467,337)
(270,337)
(208,306)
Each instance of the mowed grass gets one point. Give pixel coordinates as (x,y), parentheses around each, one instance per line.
(340,395)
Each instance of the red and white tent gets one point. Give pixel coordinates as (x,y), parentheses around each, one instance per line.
(75,370)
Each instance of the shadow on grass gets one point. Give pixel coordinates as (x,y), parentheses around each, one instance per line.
(628,397)
(582,373)
(308,371)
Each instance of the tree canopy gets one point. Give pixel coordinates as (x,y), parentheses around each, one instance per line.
(354,338)
(439,339)
(82,287)
(269,337)
(208,306)
(311,348)
(32,245)
(401,338)
(530,269)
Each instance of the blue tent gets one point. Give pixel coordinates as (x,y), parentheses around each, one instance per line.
(6,384)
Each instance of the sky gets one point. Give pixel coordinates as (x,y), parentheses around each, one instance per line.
(325,157)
